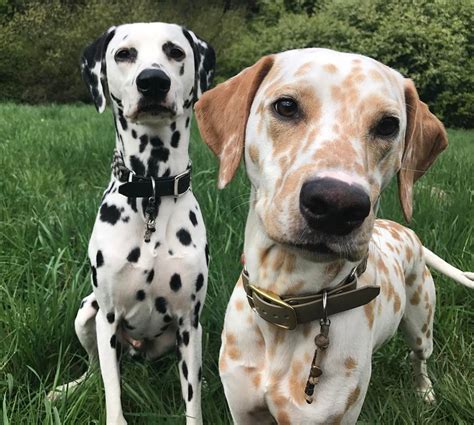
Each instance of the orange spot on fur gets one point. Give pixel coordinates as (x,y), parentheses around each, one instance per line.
(415,299)
(350,363)
(369,313)
(330,68)
(239,305)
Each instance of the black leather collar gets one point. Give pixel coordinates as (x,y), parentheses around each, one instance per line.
(146,187)
(142,187)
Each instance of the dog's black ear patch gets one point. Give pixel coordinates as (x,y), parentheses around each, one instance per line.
(93,68)
(204,63)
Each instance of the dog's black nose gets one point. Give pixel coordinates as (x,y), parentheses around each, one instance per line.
(333,206)
(153,83)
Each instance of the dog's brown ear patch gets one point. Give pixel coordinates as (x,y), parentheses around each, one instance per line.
(425,139)
(222,115)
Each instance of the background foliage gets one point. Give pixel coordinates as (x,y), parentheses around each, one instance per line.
(430,41)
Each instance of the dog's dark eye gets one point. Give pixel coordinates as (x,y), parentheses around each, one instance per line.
(173,51)
(126,55)
(387,127)
(176,54)
(286,107)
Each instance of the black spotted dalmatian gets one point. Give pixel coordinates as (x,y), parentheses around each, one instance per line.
(148,250)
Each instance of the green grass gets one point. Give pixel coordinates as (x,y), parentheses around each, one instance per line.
(54,164)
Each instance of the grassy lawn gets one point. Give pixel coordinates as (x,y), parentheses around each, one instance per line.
(54,165)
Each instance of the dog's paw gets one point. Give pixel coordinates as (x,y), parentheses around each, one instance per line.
(55,395)
(427,395)
(469,275)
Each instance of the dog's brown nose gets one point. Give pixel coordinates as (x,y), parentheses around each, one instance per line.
(153,83)
(333,206)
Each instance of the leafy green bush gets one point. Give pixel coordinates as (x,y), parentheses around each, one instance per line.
(430,41)
(41,43)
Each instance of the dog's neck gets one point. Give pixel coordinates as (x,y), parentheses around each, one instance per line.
(157,150)
(285,271)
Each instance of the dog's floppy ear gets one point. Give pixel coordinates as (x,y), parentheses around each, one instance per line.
(93,68)
(425,139)
(204,63)
(222,115)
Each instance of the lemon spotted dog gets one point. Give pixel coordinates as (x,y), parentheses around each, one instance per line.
(148,249)
(322,134)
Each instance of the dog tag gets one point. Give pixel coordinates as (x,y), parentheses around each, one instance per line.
(150,215)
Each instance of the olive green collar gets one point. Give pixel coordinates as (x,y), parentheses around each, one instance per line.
(288,311)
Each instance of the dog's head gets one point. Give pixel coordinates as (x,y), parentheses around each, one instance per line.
(150,70)
(323,133)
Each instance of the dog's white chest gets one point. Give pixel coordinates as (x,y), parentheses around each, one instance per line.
(147,283)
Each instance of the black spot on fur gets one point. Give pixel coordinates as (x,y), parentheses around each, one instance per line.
(184,236)
(116,100)
(170,252)
(94,276)
(167,318)
(110,317)
(134,255)
(163,328)
(173,126)
(187,122)
(190,392)
(193,218)
(206,251)
(113,341)
(197,307)
(95,305)
(109,213)
(150,276)
(184,368)
(137,166)
(180,321)
(157,244)
(200,374)
(143,143)
(161,154)
(82,304)
(181,70)
(153,167)
(166,173)
(133,203)
(160,305)
(156,142)
(199,282)
(123,121)
(179,356)
(186,337)
(134,134)
(140,295)
(175,282)
(175,139)
(179,340)
(99,258)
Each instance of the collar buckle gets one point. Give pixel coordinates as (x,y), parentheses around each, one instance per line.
(177,179)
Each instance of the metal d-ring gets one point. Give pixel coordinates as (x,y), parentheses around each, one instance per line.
(153,185)
(325,311)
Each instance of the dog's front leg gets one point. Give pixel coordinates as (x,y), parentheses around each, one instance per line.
(188,349)
(109,368)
